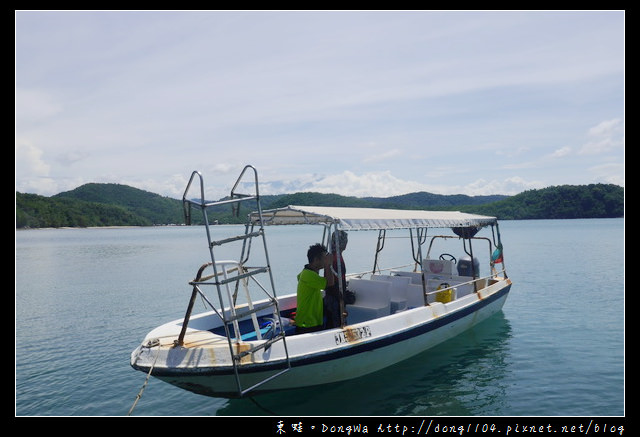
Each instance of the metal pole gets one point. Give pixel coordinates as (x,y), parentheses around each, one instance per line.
(187,316)
(336,242)
(424,281)
(382,234)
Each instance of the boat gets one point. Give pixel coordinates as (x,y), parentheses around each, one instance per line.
(245,343)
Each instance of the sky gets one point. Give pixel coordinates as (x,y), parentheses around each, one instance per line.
(358,103)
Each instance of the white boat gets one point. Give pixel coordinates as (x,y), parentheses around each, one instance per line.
(239,349)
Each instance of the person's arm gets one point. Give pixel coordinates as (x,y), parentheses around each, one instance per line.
(328,274)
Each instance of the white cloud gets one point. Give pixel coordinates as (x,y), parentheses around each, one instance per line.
(380,184)
(139,97)
(610,173)
(29,160)
(507,186)
(603,137)
(172,186)
(561,152)
(385,184)
(598,147)
(34,172)
(605,128)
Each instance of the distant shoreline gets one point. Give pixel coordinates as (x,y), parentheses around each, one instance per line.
(103,205)
(108,227)
(242,224)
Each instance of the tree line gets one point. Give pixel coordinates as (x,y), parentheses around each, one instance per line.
(120,205)
(559,202)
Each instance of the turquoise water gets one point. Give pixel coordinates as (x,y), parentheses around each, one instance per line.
(86,297)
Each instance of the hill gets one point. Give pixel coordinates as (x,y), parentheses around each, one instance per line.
(559,202)
(152,207)
(419,200)
(121,205)
(423,199)
(34,211)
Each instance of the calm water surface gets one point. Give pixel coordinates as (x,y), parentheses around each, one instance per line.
(85,298)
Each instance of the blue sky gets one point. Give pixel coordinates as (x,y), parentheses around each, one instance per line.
(356,103)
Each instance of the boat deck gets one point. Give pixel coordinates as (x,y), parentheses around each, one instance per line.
(376,297)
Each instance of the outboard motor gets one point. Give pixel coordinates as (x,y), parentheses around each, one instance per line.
(465,268)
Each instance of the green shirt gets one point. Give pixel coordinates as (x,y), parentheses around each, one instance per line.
(309,312)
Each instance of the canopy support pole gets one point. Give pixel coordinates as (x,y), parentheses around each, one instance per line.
(421,236)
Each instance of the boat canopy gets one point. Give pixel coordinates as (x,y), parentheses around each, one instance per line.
(353,219)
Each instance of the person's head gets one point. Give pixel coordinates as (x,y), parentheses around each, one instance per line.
(342,241)
(316,254)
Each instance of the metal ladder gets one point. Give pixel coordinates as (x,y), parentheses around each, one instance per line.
(233,274)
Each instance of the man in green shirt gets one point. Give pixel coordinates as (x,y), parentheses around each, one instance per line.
(309,315)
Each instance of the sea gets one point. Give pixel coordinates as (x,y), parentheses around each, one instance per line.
(85,298)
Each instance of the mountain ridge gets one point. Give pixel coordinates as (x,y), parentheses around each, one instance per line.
(110,204)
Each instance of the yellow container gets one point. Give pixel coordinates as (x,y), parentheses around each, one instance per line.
(446,295)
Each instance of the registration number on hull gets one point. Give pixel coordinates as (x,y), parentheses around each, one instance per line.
(350,335)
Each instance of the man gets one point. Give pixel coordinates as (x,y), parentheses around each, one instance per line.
(332,306)
(309,315)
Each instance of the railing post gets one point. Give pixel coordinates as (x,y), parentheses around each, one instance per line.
(187,316)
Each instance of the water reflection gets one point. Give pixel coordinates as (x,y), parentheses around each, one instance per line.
(463,376)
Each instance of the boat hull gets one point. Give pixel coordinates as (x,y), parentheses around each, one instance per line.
(323,357)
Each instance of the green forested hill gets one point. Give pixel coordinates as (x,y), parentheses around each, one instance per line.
(419,200)
(34,211)
(122,205)
(422,199)
(97,205)
(559,202)
(152,207)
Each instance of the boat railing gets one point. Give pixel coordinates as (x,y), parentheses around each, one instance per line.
(485,281)
(378,270)
(450,282)
(229,277)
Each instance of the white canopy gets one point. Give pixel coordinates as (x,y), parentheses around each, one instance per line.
(371,218)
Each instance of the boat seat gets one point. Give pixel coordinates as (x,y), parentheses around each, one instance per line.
(397,292)
(464,289)
(415,297)
(373,300)
(415,277)
(443,267)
